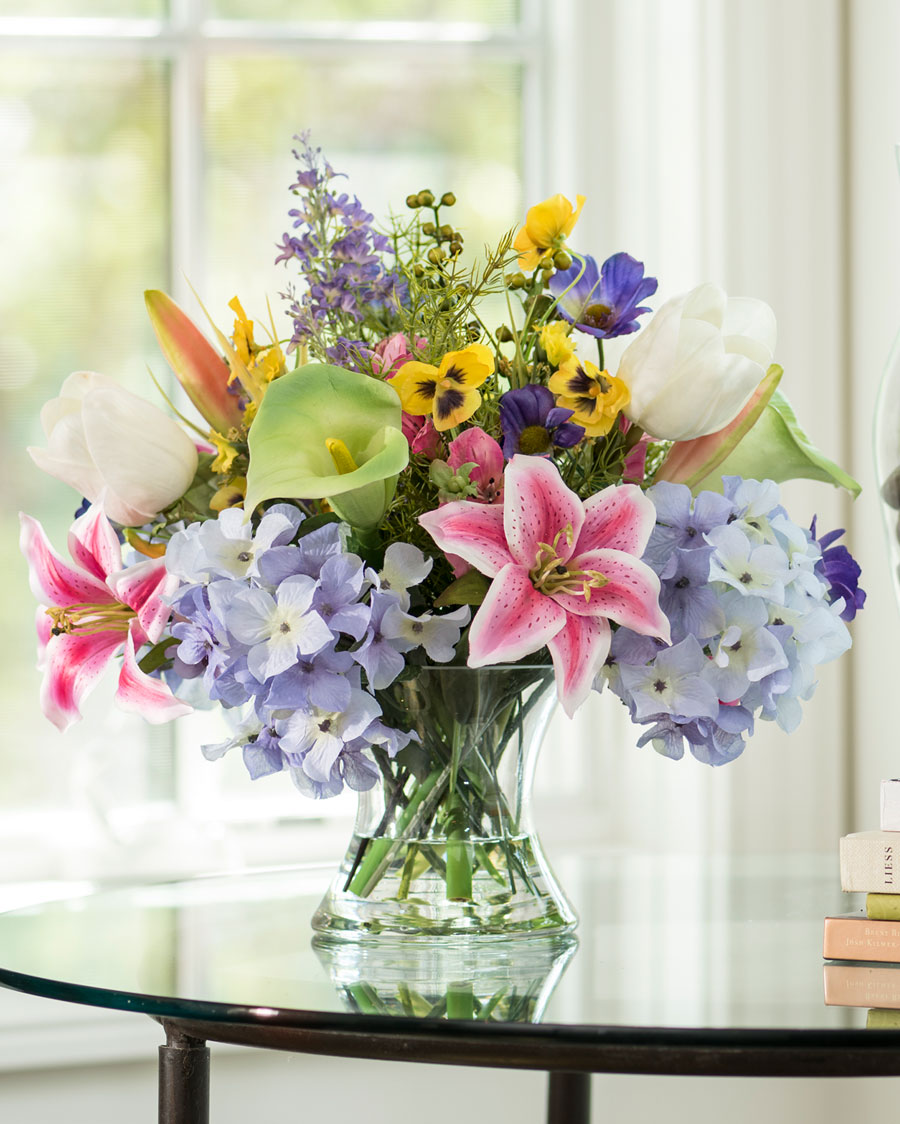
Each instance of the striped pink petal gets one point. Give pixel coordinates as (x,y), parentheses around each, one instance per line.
(537,506)
(630,597)
(73,663)
(52,580)
(143,588)
(513,621)
(578,650)
(472,531)
(94,544)
(142,694)
(620,517)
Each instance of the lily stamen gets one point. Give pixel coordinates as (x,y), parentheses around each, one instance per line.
(88,619)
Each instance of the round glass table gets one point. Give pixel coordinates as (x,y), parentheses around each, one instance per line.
(681,965)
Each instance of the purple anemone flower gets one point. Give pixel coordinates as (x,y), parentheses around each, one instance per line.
(533,424)
(604,302)
(841,571)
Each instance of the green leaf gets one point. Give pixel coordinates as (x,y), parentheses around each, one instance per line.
(776,448)
(470,589)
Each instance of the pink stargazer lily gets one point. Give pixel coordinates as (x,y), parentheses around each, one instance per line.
(94,610)
(562,570)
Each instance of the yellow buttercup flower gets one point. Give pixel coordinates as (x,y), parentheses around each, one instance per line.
(447,392)
(556,342)
(595,397)
(547,225)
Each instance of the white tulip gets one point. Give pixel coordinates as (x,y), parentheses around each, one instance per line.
(694,367)
(116,448)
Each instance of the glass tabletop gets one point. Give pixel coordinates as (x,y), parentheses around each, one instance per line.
(678,942)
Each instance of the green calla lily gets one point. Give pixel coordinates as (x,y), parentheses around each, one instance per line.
(776,448)
(325,433)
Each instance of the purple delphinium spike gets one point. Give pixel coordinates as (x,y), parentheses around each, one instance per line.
(605,302)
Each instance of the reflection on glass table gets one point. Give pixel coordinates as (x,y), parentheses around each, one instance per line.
(681,965)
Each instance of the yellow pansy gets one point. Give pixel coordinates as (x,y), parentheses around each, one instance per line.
(556,342)
(447,392)
(595,397)
(547,225)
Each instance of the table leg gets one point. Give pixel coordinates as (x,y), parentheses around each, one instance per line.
(183,1079)
(569,1098)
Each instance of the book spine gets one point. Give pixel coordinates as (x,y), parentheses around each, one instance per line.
(858,938)
(861,985)
(882,1020)
(883,907)
(870,865)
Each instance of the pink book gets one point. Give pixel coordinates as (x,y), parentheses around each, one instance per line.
(853,936)
(862,985)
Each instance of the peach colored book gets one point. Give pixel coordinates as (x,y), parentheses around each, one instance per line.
(862,985)
(853,936)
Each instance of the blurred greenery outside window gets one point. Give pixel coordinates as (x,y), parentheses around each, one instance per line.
(142,150)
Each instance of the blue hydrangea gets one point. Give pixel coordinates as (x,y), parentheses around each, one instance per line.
(296,636)
(752,615)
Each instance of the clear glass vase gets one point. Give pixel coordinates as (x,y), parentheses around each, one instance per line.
(887,451)
(444,843)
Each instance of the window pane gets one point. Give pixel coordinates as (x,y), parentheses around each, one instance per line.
(393,129)
(83,221)
(499,13)
(90,9)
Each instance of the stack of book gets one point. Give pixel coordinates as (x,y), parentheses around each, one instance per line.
(870,865)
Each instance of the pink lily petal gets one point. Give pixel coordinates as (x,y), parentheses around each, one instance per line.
(630,598)
(73,663)
(52,580)
(513,621)
(473,531)
(142,694)
(94,544)
(536,507)
(579,651)
(43,626)
(143,588)
(620,517)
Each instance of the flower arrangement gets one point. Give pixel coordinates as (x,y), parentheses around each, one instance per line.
(399,484)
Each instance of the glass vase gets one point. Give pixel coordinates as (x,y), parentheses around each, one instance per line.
(444,843)
(887,451)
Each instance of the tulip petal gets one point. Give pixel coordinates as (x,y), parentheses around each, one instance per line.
(93,543)
(67,459)
(514,620)
(73,663)
(154,471)
(472,531)
(52,580)
(620,517)
(200,369)
(537,506)
(630,597)
(579,651)
(141,694)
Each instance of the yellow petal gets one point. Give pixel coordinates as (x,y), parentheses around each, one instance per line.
(469,367)
(416,383)
(556,343)
(454,406)
(551,220)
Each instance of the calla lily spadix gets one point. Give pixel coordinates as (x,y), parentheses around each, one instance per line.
(325,433)
(562,569)
(93,610)
(115,448)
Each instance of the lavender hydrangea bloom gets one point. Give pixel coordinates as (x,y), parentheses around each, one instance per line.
(764,616)
(605,302)
(676,683)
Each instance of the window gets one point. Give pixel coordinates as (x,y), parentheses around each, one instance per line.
(149,146)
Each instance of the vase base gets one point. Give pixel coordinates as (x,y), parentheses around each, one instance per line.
(396,888)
